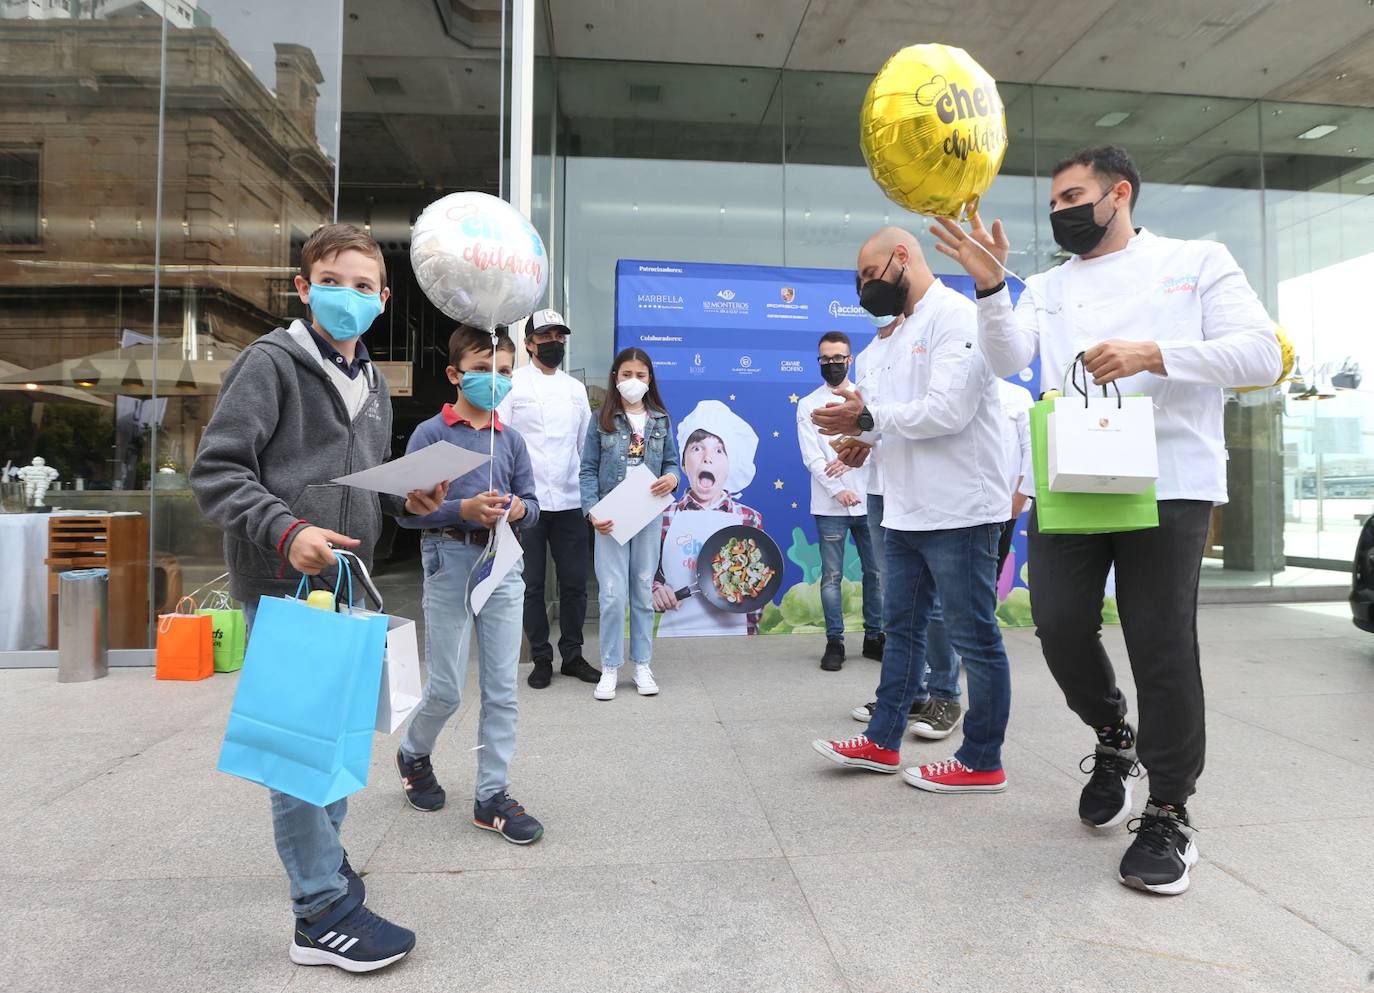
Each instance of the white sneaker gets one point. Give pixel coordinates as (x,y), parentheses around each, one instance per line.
(644,679)
(605,687)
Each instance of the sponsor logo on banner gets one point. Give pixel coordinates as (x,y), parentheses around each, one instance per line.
(726,294)
(790,365)
(726,304)
(746,366)
(838,309)
(788,294)
(658,301)
(697,368)
(792,311)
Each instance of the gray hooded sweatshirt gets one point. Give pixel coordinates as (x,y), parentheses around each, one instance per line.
(279,433)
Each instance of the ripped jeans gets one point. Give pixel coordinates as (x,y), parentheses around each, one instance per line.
(625,575)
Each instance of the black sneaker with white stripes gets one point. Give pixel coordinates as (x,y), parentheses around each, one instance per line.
(350,937)
(1162,853)
(1106,799)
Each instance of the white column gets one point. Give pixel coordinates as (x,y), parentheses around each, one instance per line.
(522,122)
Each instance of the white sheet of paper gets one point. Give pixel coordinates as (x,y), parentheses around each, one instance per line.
(420,470)
(630,505)
(503,551)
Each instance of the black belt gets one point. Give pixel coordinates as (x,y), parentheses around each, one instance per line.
(459,535)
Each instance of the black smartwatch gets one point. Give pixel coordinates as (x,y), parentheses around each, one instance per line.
(865,420)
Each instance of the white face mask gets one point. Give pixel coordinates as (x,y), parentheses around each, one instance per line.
(632,390)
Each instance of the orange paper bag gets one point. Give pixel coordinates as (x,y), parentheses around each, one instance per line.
(185,644)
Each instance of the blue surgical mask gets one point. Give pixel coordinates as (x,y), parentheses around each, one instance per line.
(345,313)
(879,322)
(485,389)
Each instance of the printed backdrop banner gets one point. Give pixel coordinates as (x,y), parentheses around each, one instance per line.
(734,349)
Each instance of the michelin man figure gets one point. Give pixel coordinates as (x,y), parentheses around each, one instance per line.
(37,476)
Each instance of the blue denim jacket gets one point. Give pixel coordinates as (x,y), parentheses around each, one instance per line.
(604,455)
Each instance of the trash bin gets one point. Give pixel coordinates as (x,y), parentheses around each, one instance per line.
(83,625)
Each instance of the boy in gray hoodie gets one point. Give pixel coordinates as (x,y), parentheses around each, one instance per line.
(301,406)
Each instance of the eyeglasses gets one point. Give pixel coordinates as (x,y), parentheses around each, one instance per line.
(832,359)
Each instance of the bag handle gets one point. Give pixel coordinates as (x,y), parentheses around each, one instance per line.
(364,579)
(302,589)
(186,599)
(1071,376)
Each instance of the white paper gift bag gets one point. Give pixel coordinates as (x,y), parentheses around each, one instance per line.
(400,690)
(1102,444)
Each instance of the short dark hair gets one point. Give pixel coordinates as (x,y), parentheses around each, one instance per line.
(701,434)
(836,338)
(331,239)
(466,338)
(1109,161)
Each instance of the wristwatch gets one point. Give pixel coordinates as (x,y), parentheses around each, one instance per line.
(865,420)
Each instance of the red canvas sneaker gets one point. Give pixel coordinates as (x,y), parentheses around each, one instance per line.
(952,776)
(860,753)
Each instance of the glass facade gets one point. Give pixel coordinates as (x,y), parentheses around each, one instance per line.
(725,164)
(163,161)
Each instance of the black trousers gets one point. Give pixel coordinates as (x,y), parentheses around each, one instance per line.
(1157,573)
(1004,543)
(562,533)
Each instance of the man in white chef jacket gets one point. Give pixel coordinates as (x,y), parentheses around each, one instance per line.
(839,496)
(550,410)
(1176,321)
(944,502)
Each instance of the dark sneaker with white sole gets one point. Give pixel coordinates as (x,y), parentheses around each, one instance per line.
(423,791)
(350,937)
(507,818)
(937,719)
(1161,854)
(864,714)
(1106,800)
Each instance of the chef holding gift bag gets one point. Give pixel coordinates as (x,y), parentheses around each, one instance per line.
(1175,322)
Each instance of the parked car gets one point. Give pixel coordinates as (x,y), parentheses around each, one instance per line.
(1362,594)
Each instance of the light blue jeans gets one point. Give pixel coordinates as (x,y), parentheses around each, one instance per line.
(625,577)
(941,676)
(307,840)
(448,635)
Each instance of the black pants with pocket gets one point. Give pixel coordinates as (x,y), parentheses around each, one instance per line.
(563,533)
(1157,572)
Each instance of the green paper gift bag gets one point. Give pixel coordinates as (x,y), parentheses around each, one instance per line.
(1082,513)
(228,635)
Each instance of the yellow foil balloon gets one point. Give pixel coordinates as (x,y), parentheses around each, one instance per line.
(933,130)
(1286,347)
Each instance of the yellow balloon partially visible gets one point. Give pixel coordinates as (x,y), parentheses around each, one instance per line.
(933,130)
(1289,359)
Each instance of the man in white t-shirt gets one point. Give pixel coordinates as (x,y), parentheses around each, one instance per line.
(838,503)
(549,408)
(1176,321)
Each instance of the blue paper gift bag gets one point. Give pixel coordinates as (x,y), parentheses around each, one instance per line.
(306,703)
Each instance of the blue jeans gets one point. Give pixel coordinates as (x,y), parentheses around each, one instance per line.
(307,840)
(625,576)
(940,680)
(962,564)
(833,530)
(448,637)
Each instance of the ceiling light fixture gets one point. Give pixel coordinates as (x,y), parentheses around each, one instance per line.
(1319,131)
(1113,119)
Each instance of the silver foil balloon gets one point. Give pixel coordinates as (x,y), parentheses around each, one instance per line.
(479,260)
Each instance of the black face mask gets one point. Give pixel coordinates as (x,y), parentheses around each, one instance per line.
(881,298)
(834,373)
(550,353)
(1076,229)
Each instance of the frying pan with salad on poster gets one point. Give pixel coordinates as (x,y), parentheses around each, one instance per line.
(739,569)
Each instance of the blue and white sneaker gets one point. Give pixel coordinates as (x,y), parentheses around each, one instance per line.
(423,791)
(350,937)
(507,818)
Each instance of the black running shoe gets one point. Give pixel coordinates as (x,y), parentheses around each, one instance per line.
(580,668)
(833,659)
(541,675)
(507,818)
(351,937)
(1162,853)
(1106,800)
(873,647)
(355,882)
(423,791)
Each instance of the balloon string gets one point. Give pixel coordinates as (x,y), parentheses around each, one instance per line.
(491,426)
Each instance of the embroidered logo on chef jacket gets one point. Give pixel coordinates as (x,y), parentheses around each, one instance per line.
(1178,284)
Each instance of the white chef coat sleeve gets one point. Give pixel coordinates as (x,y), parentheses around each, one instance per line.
(1009,337)
(813,451)
(1238,346)
(958,375)
(1022,422)
(584,415)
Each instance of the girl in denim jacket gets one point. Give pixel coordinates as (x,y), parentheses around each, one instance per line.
(633,429)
